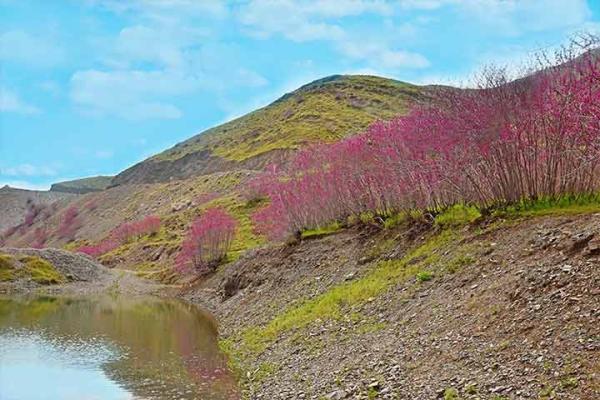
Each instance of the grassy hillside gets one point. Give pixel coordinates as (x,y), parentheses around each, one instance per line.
(84,185)
(324,110)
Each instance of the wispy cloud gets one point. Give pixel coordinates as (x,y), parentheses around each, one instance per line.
(130,94)
(28,170)
(35,51)
(321,20)
(10,102)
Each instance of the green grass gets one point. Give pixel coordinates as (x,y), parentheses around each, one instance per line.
(424,276)
(565,205)
(7,268)
(457,215)
(451,394)
(41,271)
(83,185)
(330,304)
(318,232)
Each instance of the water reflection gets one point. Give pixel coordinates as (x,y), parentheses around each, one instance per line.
(83,349)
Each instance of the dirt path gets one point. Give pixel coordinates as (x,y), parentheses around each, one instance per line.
(115,282)
(84,276)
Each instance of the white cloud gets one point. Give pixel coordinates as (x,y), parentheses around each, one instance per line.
(28,170)
(379,55)
(10,102)
(23,48)
(163,8)
(163,45)
(168,51)
(319,20)
(304,20)
(516,17)
(129,94)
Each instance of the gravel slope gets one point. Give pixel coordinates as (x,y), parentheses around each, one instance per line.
(520,319)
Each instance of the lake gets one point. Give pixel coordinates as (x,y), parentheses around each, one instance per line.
(110,349)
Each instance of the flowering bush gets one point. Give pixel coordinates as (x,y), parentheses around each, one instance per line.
(500,144)
(131,230)
(33,211)
(123,234)
(40,237)
(69,224)
(207,241)
(91,205)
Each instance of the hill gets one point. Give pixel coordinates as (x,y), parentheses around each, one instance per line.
(321,111)
(84,185)
(13,203)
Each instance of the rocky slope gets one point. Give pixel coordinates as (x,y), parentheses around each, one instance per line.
(13,203)
(499,309)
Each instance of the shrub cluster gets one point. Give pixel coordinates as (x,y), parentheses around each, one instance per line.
(122,234)
(69,224)
(40,237)
(504,142)
(34,212)
(207,241)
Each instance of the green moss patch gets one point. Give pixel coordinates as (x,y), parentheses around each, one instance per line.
(7,268)
(565,205)
(41,271)
(320,232)
(457,215)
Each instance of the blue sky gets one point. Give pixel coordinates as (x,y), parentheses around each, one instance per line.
(90,87)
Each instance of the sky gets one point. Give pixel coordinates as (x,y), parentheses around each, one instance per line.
(90,87)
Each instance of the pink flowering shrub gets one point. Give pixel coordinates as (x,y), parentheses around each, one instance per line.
(40,237)
(91,205)
(122,234)
(503,143)
(69,224)
(132,230)
(203,198)
(207,241)
(32,212)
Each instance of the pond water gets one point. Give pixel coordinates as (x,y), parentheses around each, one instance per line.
(109,349)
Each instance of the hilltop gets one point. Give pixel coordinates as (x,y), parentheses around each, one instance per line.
(322,111)
(83,185)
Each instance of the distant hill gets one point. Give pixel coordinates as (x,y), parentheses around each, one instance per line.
(82,186)
(324,110)
(13,203)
